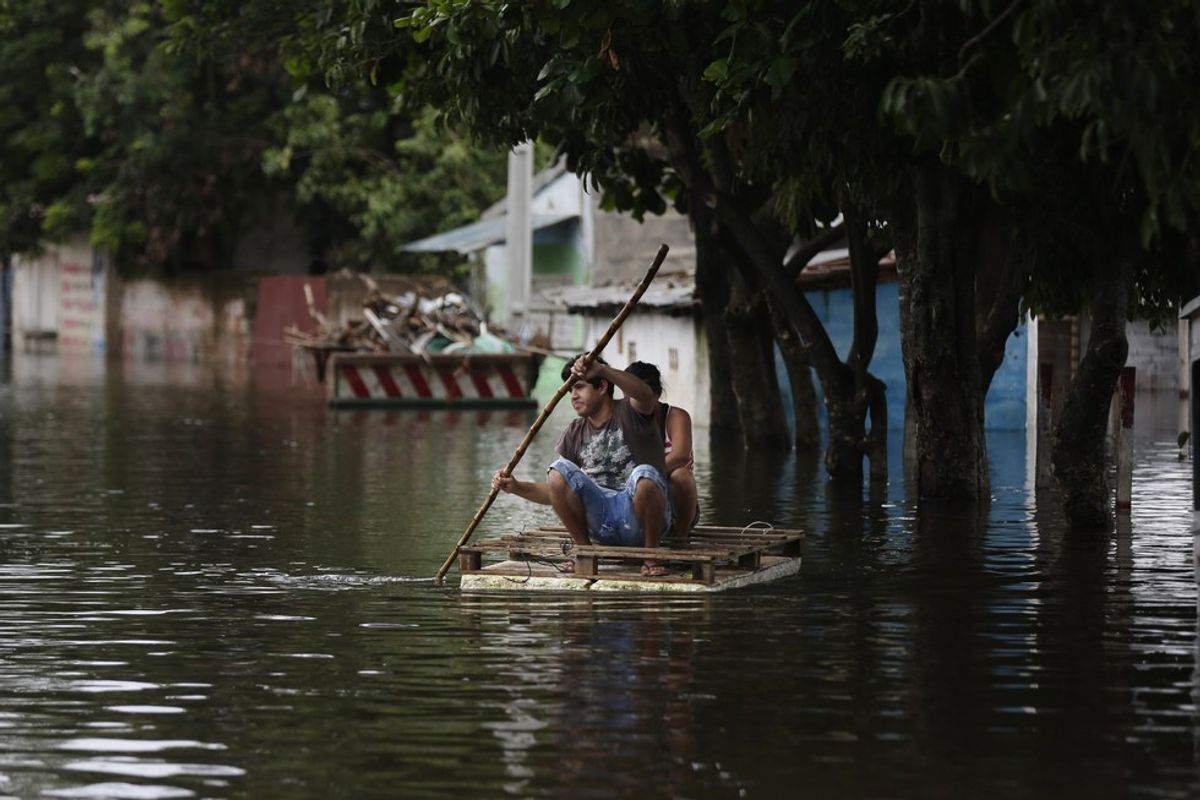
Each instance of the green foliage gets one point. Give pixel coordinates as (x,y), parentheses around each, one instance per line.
(432,180)
(41,133)
(169,130)
(1081,124)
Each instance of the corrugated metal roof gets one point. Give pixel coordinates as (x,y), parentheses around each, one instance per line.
(477,235)
(674,294)
(1191,308)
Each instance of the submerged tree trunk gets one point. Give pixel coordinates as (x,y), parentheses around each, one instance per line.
(846,420)
(755,383)
(807,433)
(712,286)
(1078,456)
(934,230)
(745,390)
(761,253)
(1002,275)
(869,398)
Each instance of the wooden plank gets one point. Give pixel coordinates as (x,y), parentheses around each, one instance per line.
(706,529)
(602,575)
(656,553)
(552,549)
(750,561)
(469,561)
(758,537)
(746,546)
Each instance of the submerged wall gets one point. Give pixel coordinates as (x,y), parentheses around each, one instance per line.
(184,319)
(1005,405)
(69,299)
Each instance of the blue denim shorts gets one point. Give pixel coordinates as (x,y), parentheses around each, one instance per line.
(609,512)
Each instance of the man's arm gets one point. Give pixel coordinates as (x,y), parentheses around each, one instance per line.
(636,390)
(527,490)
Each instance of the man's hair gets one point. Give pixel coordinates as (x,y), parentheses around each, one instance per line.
(649,374)
(595,382)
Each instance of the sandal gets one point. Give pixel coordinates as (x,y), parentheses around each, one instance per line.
(567,567)
(654,569)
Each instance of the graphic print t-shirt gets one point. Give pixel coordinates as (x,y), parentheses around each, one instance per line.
(609,453)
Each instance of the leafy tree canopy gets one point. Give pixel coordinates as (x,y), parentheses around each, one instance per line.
(169,129)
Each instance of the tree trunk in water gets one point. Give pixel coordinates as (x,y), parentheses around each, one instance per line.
(807,434)
(1002,274)
(763,264)
(870,398)
(755,383)
(1078,457)
(934,232)
(712,286)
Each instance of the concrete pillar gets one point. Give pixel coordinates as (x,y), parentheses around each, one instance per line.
(1123,433)
(519,231)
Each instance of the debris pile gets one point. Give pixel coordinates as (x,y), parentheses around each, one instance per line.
(417,320)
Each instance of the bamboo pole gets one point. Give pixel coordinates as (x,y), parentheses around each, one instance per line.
(549,407)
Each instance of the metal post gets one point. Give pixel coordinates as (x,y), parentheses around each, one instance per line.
(1124,437)
(1185,373)
(1195,426)
(1044,426)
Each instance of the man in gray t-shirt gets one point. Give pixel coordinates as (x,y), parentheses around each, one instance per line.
(608,486)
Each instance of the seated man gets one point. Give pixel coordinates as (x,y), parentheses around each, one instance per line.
(608,487)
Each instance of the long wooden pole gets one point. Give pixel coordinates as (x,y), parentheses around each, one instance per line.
(549,407)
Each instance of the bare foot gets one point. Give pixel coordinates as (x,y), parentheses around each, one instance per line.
(654,569)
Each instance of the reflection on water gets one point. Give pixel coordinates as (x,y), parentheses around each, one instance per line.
(212,586)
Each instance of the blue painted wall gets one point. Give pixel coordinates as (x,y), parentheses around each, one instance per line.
(1005,408)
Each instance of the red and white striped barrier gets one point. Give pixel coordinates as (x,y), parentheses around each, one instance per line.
(483,379)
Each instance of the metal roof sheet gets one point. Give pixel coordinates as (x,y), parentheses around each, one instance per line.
(478,235)
(674,294)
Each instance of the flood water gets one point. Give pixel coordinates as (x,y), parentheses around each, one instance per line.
(216,588)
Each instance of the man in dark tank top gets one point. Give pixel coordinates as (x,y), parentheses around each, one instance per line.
(609,485)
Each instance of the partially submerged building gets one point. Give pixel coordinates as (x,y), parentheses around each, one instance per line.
(1189,398)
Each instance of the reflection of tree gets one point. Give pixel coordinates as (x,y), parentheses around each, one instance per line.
(952,685)
(1083,645)
(746,486)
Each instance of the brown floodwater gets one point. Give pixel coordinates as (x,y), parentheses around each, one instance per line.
(213,586)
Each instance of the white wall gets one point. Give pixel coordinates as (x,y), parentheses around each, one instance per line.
(563,195)
(1155,355)
(62,292)
(652,337)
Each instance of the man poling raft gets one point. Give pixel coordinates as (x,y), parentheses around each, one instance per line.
(609,486)
(584,364)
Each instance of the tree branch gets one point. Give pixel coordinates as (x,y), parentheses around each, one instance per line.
(811,248)
(983,34)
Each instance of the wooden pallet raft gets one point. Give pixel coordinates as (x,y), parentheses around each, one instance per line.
(710,559)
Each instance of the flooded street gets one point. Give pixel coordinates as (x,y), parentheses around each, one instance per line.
(214,588)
